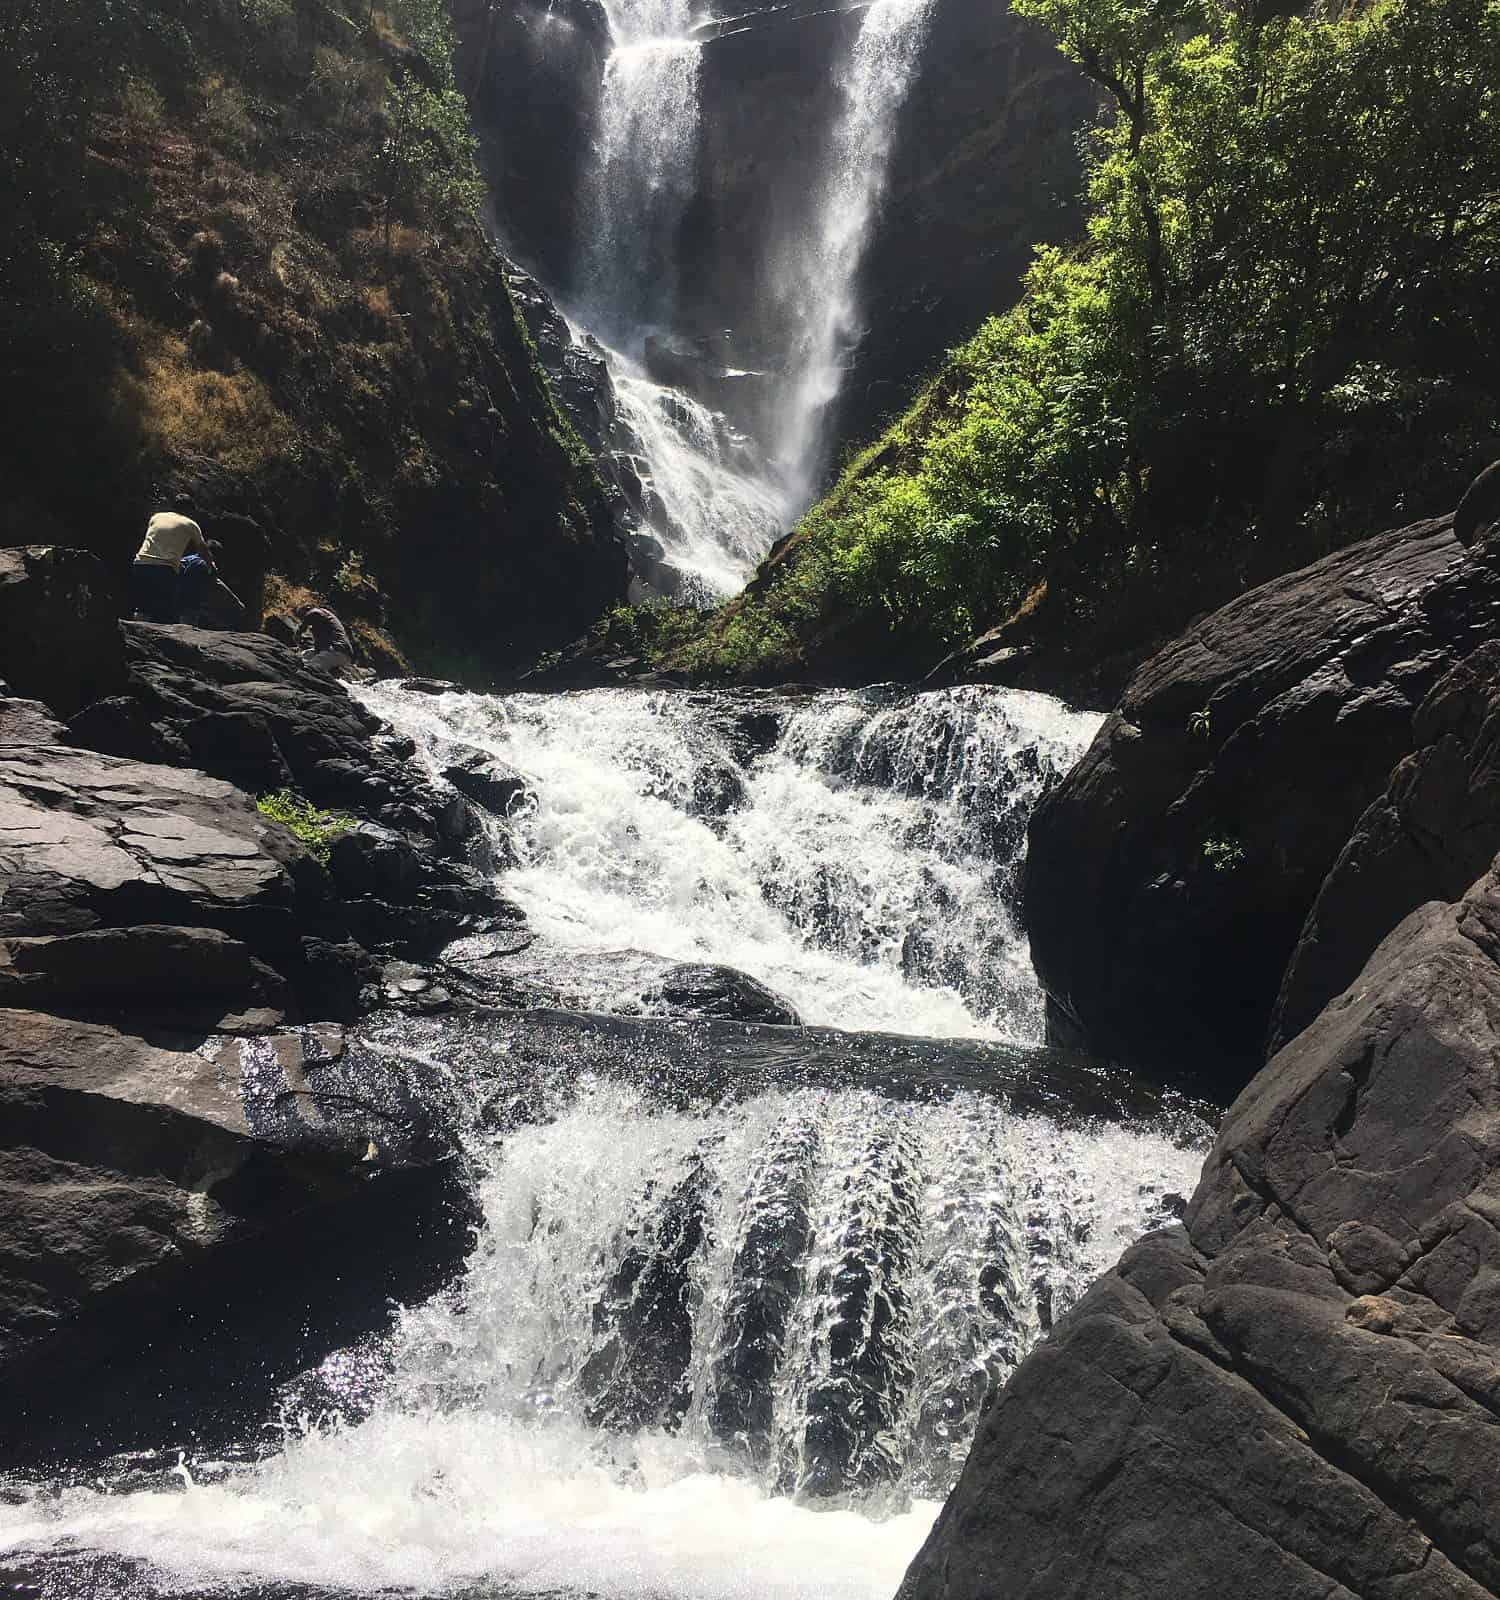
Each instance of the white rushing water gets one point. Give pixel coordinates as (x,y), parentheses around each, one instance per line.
(820,281)
(856,852)
(734,1354)
(728,1349)
(645,164)
(713,505)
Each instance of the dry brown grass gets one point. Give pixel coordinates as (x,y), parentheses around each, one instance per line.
(229,417)
(283,597)
(377,649)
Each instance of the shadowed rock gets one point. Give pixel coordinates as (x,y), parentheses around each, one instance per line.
(1168,876)
(133,1162)
(1435,828)
(58,639)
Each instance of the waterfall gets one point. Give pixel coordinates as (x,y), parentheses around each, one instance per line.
(822,279)
(645,163)
(711,503)
(726,1332)
(857,852)
(732,1353)
(713,500)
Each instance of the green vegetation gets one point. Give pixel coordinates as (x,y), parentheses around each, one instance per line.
(315,829)
(1224,855)
(1279,332)
(241,259)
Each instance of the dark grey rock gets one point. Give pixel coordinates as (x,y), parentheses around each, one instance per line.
(59,639)
(1296,1394)
(134,1162)
(488,782)
(694,990)
(1168,876)
(1432,831)
(1479,509)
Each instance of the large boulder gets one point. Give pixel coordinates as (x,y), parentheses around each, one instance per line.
(1295,1395)
(59,639)
(1168,877)
(90,842)
(135,1161)
(694,989)
(243,707)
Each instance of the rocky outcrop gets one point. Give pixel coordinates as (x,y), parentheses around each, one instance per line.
(1168,877)
(1427,837)
(133,1159)
(245,708)
(1297,1393)
(174,968)
(124,885)
(58,641)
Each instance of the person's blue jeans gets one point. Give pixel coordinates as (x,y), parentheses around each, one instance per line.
(153,591)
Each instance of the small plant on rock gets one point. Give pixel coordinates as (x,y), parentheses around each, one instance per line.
(1224,855)
(314,828)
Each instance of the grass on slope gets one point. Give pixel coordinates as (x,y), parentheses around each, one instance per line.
(241,259)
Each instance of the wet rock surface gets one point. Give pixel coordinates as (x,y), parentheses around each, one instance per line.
(174,970)
(136,1162)
(1169,875)
(708,991)
(1296,1394)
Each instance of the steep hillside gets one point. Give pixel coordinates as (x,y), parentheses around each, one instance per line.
(240,262)
(1277,332)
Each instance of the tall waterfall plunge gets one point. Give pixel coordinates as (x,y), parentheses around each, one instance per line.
(720,478)
(821,280)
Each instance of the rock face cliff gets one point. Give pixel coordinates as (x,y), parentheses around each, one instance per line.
(203,296)
(1294,1393)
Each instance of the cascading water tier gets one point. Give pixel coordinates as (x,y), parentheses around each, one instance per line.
(739,1293)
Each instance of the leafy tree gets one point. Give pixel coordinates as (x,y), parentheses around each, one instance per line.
(1281,322)
(427,160)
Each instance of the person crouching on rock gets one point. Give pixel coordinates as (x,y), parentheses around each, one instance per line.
(325,642)
(170,535)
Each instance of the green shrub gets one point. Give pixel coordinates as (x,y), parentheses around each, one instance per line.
(314,828)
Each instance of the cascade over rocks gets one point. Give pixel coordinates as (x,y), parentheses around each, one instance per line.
(1198,828)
